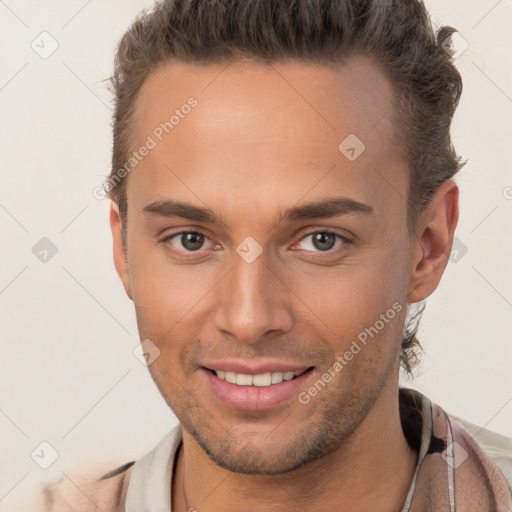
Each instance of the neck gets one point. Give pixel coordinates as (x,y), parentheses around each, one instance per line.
(372,470)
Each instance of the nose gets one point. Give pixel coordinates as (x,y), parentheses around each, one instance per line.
(253,302)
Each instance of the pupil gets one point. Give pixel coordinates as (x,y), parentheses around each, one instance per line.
(324,241)
(192,241)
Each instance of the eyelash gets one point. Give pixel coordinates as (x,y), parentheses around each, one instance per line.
(179,254)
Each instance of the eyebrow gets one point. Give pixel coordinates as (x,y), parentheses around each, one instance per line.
(323,209)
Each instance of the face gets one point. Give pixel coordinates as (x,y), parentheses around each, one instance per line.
(233,276)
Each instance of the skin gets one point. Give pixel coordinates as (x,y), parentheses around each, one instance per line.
(263,139)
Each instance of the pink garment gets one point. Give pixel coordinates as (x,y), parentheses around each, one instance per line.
(453,472)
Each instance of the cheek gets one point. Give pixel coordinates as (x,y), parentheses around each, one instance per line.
(164,293)
(167,301)
(358,307)
(355,292)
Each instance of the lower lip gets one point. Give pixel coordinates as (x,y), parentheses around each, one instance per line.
(255,398)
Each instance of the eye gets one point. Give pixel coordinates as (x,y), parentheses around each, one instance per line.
(186,242)
(323,241)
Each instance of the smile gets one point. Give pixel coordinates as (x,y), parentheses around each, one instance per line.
(255,391)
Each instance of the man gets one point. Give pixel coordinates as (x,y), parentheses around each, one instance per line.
(283,192)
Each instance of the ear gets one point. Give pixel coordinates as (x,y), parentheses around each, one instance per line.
(432,245)
(120,257)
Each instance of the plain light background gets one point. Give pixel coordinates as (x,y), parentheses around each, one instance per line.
(68,375)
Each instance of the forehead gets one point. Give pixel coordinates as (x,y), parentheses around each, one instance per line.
(263,127)
(333,97)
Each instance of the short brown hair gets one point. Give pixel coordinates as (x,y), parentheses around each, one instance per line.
(397,34)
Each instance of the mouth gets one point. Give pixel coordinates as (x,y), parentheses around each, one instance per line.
(255,390)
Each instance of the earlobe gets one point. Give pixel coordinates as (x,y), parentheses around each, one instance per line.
(433,241)
(120,256)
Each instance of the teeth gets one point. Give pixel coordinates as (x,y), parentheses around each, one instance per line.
(263,379)
(243,380)
(230,377)
(260,380)
(277,377)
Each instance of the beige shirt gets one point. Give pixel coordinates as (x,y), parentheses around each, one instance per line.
(460,467)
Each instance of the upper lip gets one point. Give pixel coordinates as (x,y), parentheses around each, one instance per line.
(255,368)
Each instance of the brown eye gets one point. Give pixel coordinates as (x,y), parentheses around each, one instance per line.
(185,243)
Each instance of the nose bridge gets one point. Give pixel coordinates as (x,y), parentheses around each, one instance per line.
(250,304)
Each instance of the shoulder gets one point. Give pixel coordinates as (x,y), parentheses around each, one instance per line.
(83,489)
(496,446)
(104,487)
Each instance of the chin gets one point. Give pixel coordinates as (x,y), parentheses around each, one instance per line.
(277,456)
